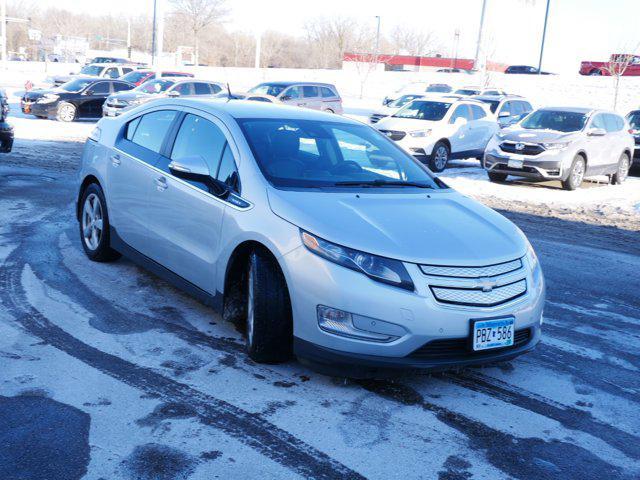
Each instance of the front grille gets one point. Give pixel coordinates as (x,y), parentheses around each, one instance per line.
(453,348)
(477,297)
(394,134)
(376,117)
(637,140)
(527,148)
(472,272)
(115,104)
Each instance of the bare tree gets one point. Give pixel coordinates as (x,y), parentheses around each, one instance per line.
(199,14)
(329,38)
(616,67)
(413,41)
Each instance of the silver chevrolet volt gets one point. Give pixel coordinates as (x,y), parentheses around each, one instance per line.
(315,233)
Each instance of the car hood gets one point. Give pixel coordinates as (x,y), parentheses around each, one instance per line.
(536,136)
(442,227)
(129,96)
(404,124)
(37,93)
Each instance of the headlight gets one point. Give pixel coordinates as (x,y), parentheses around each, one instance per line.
(48,98)
(555,145)
(381,269)
(420,133)
(534,263)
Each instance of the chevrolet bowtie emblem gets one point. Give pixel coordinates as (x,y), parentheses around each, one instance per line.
(486,284)
(519,146)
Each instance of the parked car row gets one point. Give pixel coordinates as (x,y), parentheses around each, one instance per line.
(6,130)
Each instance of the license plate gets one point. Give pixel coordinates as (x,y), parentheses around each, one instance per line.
(488,334)
(515,163)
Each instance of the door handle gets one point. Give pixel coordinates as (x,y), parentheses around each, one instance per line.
(115,160)
(161,184)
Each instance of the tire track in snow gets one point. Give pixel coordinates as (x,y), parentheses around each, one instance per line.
(248,428)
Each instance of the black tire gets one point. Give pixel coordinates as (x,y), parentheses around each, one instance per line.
(66,112)
(437,163)
(624,165)
(497,177)
(595,73)
(576,173)
(328,110)
(102,251)
(269,318)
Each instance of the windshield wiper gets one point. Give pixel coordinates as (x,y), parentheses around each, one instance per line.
(381,183)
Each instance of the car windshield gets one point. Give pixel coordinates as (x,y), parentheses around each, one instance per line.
(134,76)
(634,120)
(91,70)
(402,101)
(493,104)
(316,154)
(75,85)
(273,89)
(155,86)
(466,91)
(556,120)
(424,110)
(439,88)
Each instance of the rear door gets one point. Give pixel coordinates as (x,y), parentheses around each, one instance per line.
(185,216)
(131,175)
(598,154)
(311,95)
(460,139)
(618,140)
(482,128)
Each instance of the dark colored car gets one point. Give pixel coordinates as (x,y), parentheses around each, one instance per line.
(141,76)
(524,70)
(633,118)
(30,97)
(6,130)
(79,98)
(107,60)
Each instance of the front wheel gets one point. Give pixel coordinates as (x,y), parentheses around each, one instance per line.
(595,73)
(269,317)
(624,164)
(94,226)
(66,112)
(576,174)
(439,157)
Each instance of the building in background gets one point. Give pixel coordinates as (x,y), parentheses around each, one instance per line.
(411,63)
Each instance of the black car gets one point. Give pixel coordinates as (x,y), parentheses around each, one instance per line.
(6,130)
(633,118)
(524,70)
(79,98)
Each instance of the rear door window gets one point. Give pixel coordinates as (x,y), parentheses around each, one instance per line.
(152,129)
(202,88)
(184,88)
(100,88)
(310,91)
(478,112)
(612,124)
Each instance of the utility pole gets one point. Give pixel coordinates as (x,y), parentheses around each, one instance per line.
(377,50)
(456,41)
(153,35)
(480,32)
(3,32)
(544,35)
(129,37)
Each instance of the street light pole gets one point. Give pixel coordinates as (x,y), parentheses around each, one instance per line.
(544,35)
(377,50)
(3,32)
(153,35)
(480,32)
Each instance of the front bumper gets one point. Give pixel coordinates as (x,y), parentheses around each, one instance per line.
(44,109)
(549,165)
(416,146)
(113,110)
(313,281)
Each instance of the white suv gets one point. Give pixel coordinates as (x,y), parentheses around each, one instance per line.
(436,130)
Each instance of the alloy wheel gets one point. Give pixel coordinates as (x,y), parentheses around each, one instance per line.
(92,221)
(67,113)
(623,169)
(441,157)
(577,174)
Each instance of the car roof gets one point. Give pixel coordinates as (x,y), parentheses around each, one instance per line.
(572,109)
(243,109)
(288,84)
(498,98)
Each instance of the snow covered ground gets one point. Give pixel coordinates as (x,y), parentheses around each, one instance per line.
(106,372)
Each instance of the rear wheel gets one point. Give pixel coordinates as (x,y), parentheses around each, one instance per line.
(66,112)
(439,157)
(595,72)
(576,174)
(623,170)
(497,177)
(269,318)
(94,226)
(328,110)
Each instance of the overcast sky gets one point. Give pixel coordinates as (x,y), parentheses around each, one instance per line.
(577,30)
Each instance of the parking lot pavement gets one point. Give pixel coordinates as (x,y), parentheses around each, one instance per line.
(108,372)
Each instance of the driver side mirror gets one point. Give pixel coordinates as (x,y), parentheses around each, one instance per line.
(173,93)
(285,98)
(596,132)
(88,92)
(195,169)
(504,113)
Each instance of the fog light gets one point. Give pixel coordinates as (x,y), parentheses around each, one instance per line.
(339,322)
